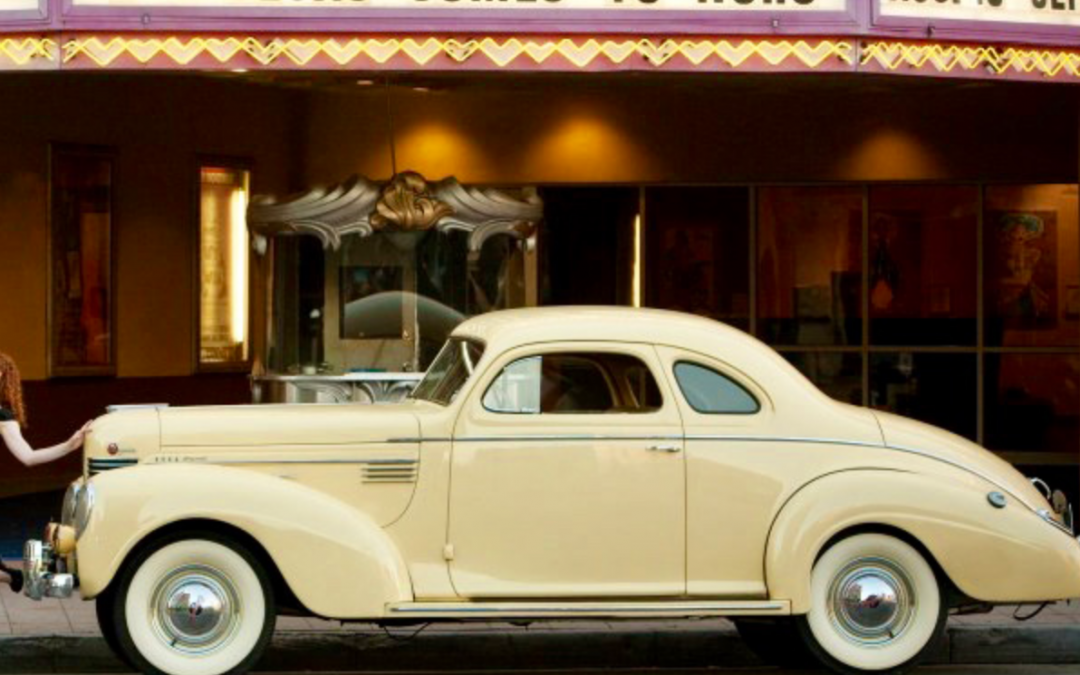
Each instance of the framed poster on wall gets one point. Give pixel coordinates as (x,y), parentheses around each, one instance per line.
(1021,269)
(82,317)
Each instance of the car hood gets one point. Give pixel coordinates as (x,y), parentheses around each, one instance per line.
(137,434)
(909,435)
(288,425)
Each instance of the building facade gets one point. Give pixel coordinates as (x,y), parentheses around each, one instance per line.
(883,190)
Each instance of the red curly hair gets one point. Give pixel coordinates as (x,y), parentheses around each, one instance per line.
(11,393)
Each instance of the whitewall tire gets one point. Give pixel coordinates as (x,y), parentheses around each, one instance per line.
(876,606)
(197,604)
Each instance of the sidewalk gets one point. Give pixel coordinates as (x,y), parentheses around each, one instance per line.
(56,636)
(22,616)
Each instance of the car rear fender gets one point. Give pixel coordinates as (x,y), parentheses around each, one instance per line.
(1006,555)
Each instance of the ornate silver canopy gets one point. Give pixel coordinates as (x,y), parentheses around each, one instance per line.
(407,202)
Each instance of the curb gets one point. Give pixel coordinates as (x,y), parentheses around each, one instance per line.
(458,649)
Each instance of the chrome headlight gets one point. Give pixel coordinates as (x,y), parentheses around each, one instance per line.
(67,511)
(84,504)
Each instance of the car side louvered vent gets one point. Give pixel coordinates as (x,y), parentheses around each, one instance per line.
(390,471)
(96,466)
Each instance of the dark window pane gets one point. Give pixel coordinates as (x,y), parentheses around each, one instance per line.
(643,392)
(698,254)
(938,389)
(1031,270)
(81,242)
(574,383)
(707,391)
(586,245)
(810,265)
(1033,405)
(923,267)
(837,374)
(1062,477)
(570,384)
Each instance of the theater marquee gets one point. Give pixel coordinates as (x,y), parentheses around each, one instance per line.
(1044,12)
(17,6)
(785,6)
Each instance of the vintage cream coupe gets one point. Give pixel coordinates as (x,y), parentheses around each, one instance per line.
(553,464)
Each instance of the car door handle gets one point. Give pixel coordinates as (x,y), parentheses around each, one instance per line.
(665,448)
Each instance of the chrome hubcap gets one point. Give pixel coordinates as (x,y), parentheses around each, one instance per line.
(871,602)
(195,610)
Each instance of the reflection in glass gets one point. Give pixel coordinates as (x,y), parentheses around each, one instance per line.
(450,370)
(81,302)
(1032,269)
(935,388)
(223,265)
(838,374)
(371,301)
(1033,403)
(923,267)
(387,301)
(517,388)
(496,278)
(698,251)
(443,279)
(810,265)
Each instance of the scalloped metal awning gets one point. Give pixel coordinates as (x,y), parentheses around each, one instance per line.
(405,203)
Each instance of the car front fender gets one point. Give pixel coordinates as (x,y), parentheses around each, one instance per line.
(1006,555)
(335,559)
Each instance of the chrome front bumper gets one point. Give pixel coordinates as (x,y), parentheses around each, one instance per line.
(41,575)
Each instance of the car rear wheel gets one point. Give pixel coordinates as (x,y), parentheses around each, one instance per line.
(876,606)
(194,605)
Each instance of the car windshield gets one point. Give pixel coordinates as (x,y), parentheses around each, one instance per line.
(449,371)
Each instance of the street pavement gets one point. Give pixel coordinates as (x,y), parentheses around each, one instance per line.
(20,616)
(927,670)
(53,636)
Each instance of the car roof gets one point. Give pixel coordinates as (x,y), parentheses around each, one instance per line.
(577,321)
(807,411)
(509,328)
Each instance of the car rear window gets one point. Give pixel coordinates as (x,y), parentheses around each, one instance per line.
(710,392)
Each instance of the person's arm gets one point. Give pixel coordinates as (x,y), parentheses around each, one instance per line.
(13,438)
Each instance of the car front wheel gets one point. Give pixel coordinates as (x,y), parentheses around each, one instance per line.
(194,605)
(876,606)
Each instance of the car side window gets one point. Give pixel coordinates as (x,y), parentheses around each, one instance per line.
(574,383)
(712,393)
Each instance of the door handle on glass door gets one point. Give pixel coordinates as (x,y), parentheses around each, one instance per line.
(665,448)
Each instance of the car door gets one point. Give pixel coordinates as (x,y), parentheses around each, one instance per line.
(734,482)
(568,477)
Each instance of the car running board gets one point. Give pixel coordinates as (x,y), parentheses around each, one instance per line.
(528,610)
